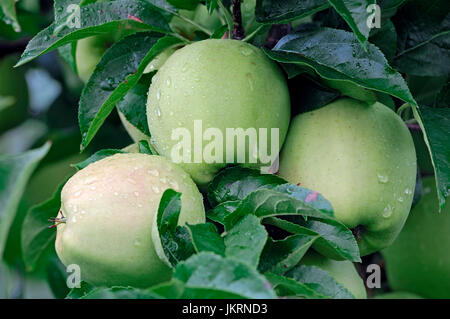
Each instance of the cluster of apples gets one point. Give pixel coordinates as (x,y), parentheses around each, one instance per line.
(359,156)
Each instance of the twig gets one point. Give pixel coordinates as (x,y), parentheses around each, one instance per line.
(238,29)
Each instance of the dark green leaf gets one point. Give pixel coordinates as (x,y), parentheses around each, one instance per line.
(174,241)
(385,38)
(184,4)
(337,55)
(355,14)
(280,256)
(436,124)
(235,183)
(134,106)
(319,280)
(97,18)
(335,241)
(220,212)
(246,240)
(424,38)
(119,69)
(205,237)
(290,287)
(207,275)
(269,11)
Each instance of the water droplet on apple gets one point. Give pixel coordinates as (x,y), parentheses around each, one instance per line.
(153,172)
(155,189)
(383,179)
(388,210)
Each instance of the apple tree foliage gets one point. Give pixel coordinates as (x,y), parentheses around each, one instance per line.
(325,46)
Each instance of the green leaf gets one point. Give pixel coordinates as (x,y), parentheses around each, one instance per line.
(308,196)
(211,5)
(355,14)
(184,4)
(36,235)
(235,183)
(205,237)
(174,241)
(424,38)
(269,11)
(280,256)
(96,157)
(77,293)
(290,287)
(10,17)
(207,275)
(246,240)
(385,38)
(144,148)
(119,69)
(15,171)
(335,241)
(138,15)
(436,128)
(134,106)
(337,55)
(319,280)
(220,212)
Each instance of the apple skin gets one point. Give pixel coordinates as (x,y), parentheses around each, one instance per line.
(13,86)
(110,207)
(361,158)
(224,83)
(89,52)
(344,272)
(419,261)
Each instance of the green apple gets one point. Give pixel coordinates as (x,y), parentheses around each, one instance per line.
(343,272)
(109,209)
(89,52)
(224,84)
(13,94)
(419,261)
(361,158)
(398,295)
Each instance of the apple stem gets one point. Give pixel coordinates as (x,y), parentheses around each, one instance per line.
(238,29)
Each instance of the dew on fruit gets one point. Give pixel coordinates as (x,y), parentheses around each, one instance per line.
(136,194)
(158,111)
(137,242)
(174,185)
(383,179)
(169,82)
(185,67)
(246,51)
(131,181)
(388,210)
(153,172)
(90,180)
(250,81)
(77,194)
(116,194)
(408,191)
(155,189)
(163,180)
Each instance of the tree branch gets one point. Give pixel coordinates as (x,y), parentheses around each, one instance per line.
(238,29)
